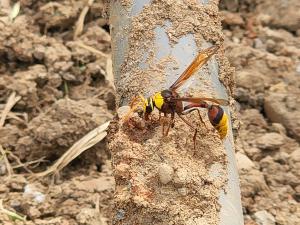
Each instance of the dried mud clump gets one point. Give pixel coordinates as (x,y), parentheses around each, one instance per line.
(44,69)
(61,126)
(164,180)
(73,201)
(64,93)
(265,51)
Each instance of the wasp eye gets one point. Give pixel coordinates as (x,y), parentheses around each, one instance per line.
(140,113)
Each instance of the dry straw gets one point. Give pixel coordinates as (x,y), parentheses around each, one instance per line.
(80,22)
(89,140)
(11,101)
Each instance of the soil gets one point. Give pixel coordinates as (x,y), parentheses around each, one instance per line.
(166,174)
(65,92)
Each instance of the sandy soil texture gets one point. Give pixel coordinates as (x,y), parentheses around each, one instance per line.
(62,91)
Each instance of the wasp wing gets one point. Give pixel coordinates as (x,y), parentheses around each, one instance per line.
(198,62)
(219,101)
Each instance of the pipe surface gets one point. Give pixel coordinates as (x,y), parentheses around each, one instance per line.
(181,52)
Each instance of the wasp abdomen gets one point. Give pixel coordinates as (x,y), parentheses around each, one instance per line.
(218,119)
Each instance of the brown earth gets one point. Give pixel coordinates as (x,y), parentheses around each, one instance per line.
(65,93)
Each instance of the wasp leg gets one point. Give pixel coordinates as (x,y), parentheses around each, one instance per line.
(171,123)
(163,121)
(202,121)
(191,107)
(159,116)
(173,119)
(190,125)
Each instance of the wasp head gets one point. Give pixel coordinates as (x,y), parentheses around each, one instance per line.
(137,105)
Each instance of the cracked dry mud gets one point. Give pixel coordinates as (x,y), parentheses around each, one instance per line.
(41,62)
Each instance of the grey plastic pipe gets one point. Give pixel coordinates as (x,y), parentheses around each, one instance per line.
(184,52)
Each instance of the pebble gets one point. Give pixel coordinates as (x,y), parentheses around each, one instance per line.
(182,191)
(181,177)
(243,162)
(270,141)
(2,168)
(279,128)
(295,156)
(3,188)
(258,44)
(32,192)
(165,173)
(33,212)
(123,110)
(264,218)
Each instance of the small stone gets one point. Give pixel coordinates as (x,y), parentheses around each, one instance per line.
(122,170)
(243,162)
(281,157)
(251,80)
(33,192)
(252,181)
(33,212)
(120,214)
(39,52)
(264,218)
(165,173)
(253,117)
(232,18)
(253,153)
(249,221)
(90,216)
(2,168)
(181,177)
(182,191)
(123,110)
(258,44)
(3,188)
(279,128)
(17,184)
(295,156)
(231,5)
(270,141)
(16,204)
(277,109)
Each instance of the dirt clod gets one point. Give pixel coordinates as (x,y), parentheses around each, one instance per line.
(65,92)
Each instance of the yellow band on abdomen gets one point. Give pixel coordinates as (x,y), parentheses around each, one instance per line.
(158,100)
(222,126)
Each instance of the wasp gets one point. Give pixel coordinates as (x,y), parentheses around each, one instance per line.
(170,102)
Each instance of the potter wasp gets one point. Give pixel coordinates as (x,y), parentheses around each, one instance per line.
(170,102)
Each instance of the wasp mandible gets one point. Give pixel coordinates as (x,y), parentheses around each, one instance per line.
(169,102)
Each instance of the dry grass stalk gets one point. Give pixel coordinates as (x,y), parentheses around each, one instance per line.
(16,116)
(86,142)
(15,11)
(36,162)
(12,100)
(91,49)
(109,72)
(10,168)
(14,216)
(20,164)
(80,22)
(7,164)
